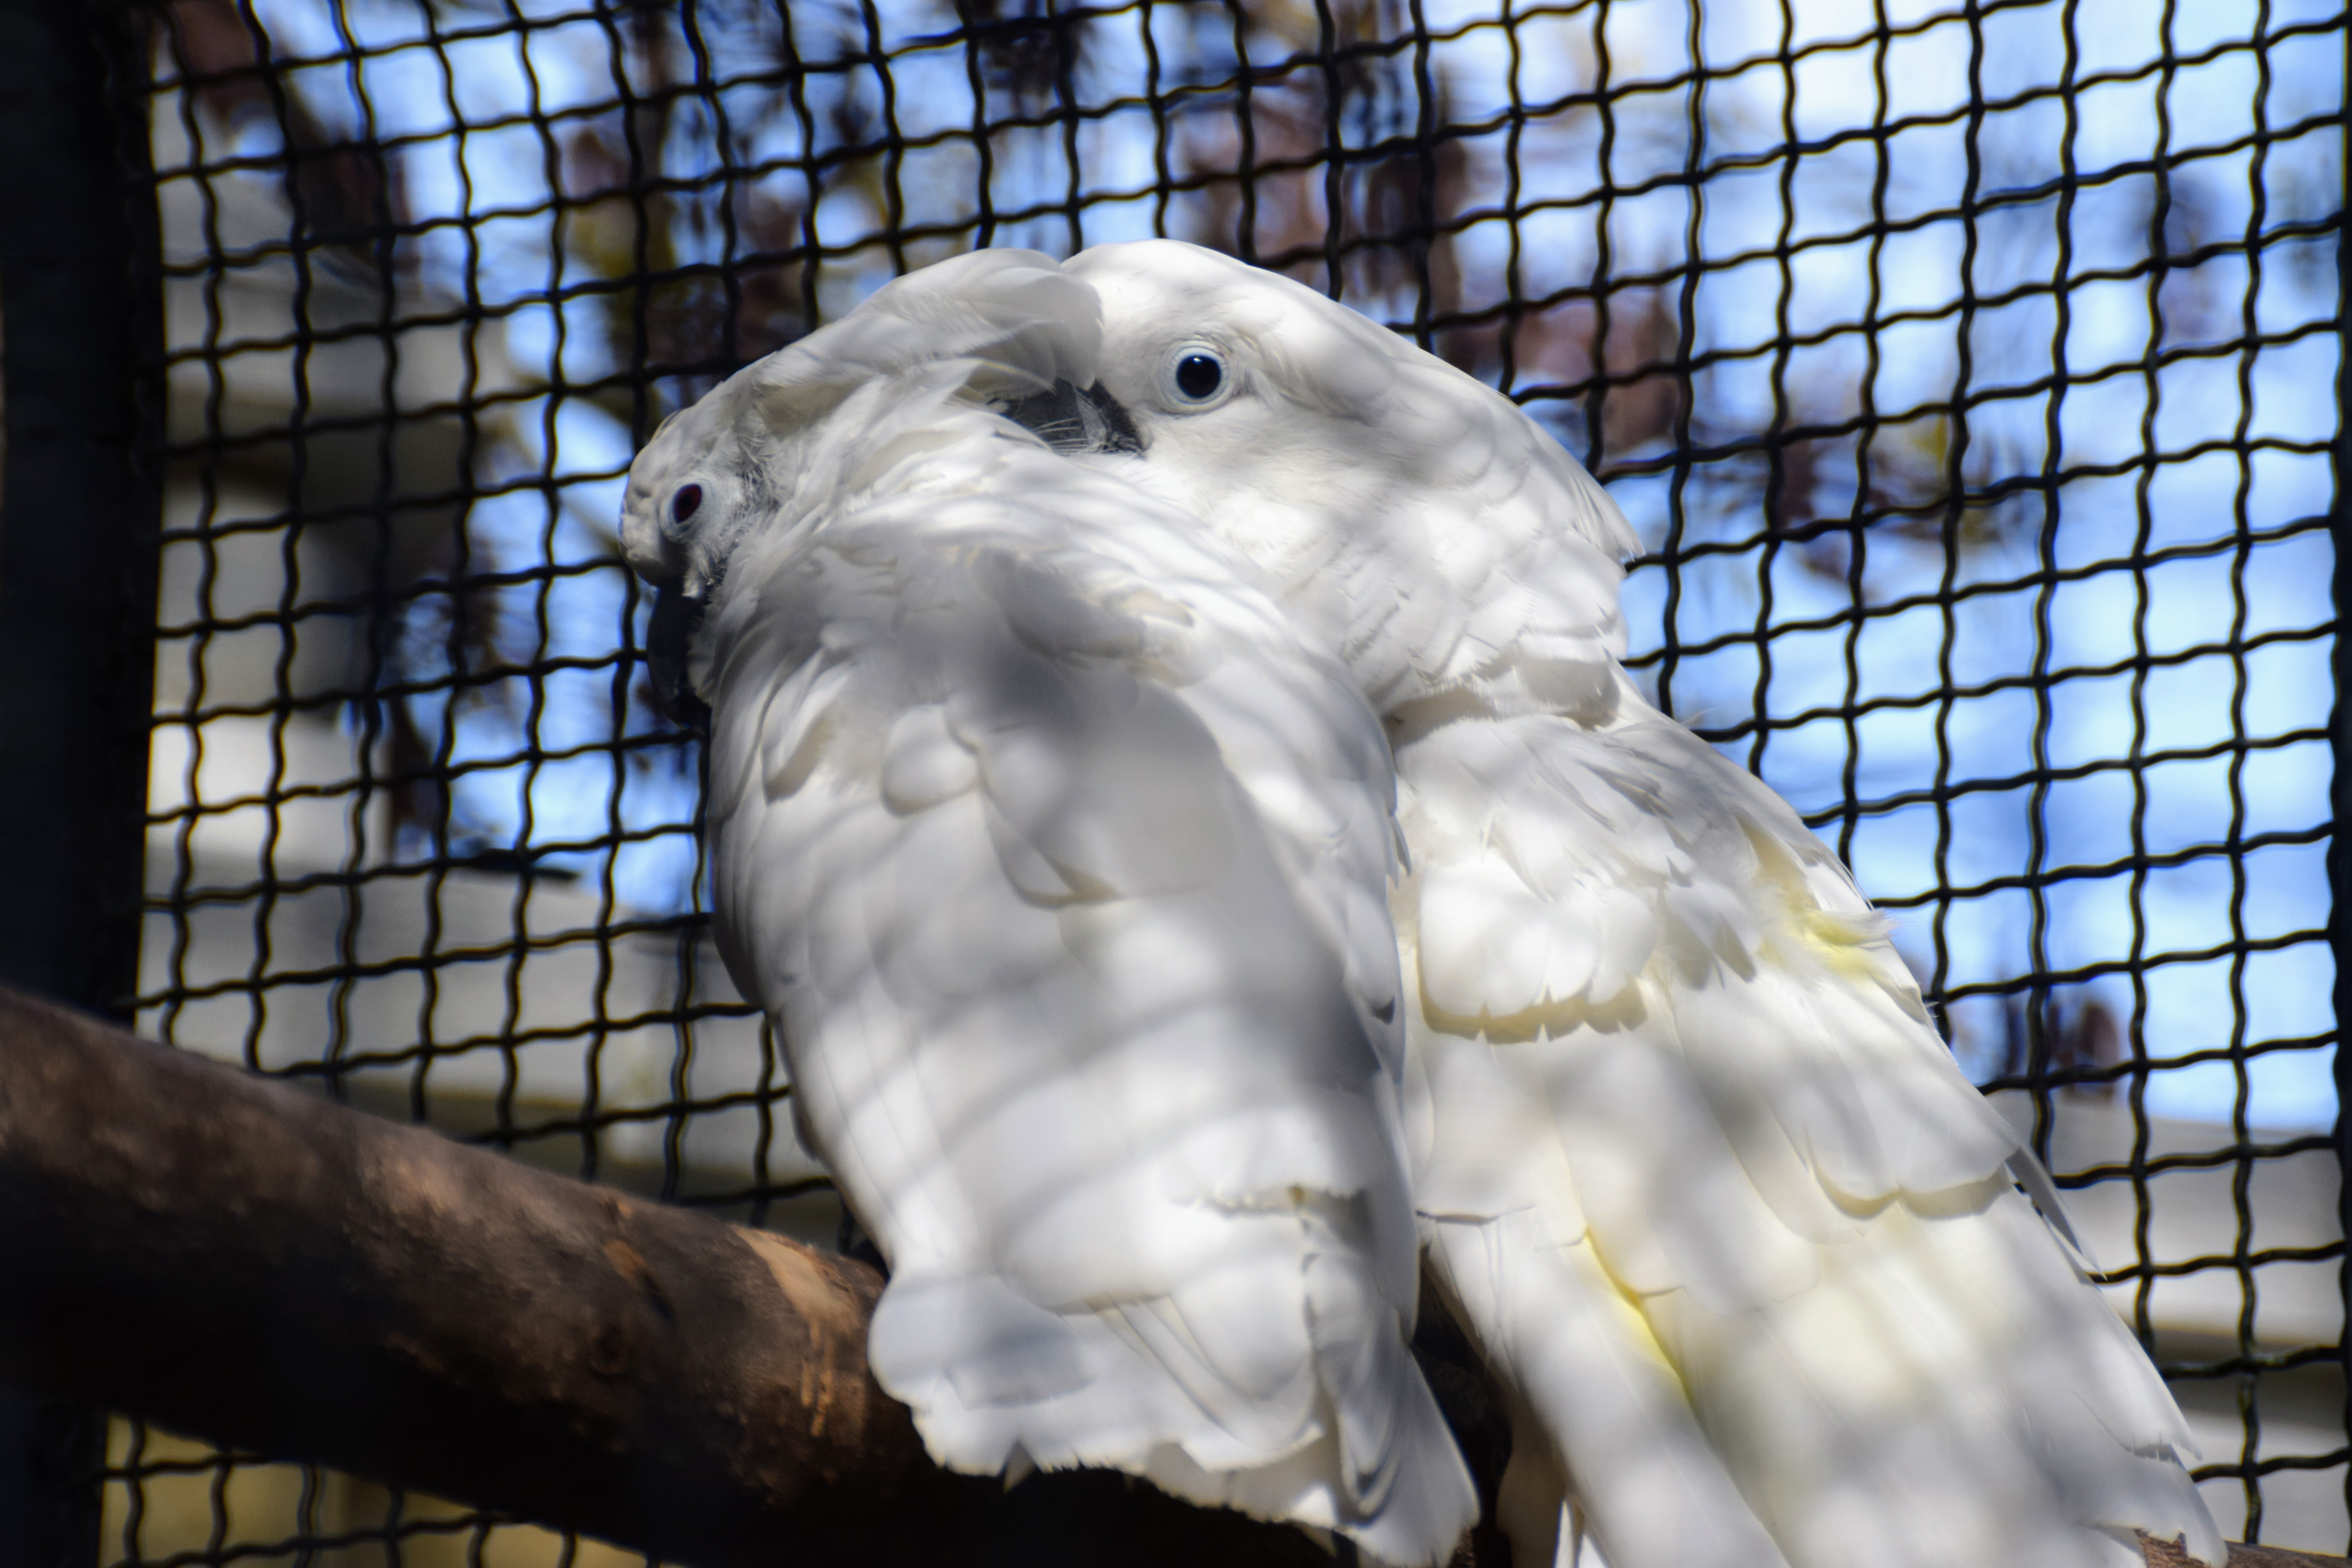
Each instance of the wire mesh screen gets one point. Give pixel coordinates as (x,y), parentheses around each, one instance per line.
(1967,369)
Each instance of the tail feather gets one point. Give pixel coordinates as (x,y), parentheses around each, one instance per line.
(1949,1393)
(1352,1442)
(1598,1393)
(1931,1382)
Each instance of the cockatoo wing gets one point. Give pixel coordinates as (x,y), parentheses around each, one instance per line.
(1709,1188)
(1062,865)
(1747,1251)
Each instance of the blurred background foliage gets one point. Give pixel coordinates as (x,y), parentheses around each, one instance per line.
(1783,276)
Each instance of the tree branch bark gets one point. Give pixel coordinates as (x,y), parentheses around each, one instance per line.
(239,1260)
(236,1259)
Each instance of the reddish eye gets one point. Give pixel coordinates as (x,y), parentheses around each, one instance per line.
(683,504)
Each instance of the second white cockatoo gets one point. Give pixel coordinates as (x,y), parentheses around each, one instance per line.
(1174,785)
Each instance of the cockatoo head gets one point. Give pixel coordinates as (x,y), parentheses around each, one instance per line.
(1014,318)
(1437,533)
(764,448)
(1432,532)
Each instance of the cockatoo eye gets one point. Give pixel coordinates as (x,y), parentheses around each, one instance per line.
(1196,377)
(683,502)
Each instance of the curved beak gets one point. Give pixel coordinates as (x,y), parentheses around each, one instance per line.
(1070,419)
(669,650)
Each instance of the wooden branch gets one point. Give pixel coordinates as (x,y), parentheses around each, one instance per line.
(2163,1554)
(234,1258)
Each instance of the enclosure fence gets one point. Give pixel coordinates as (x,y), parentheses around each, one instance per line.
(1972,373)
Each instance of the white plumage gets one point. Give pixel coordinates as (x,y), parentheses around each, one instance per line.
(1060,860)
(1080,640)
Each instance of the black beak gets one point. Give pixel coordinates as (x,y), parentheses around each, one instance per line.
(669,644)
(1070,420)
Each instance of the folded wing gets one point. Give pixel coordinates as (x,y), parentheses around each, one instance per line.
(1062,864)
(1754,1254)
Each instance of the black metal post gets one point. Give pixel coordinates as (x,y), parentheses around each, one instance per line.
(81,338)
(2339,729)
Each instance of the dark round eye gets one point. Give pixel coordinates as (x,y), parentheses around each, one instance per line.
(682,504)
(1198,376)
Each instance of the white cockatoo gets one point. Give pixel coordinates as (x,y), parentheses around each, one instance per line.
(1060,860)
(1174,785)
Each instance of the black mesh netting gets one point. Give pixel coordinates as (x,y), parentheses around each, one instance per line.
(1969,369)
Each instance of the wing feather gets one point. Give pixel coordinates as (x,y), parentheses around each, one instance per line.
(1740,1148)
(1060,862)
